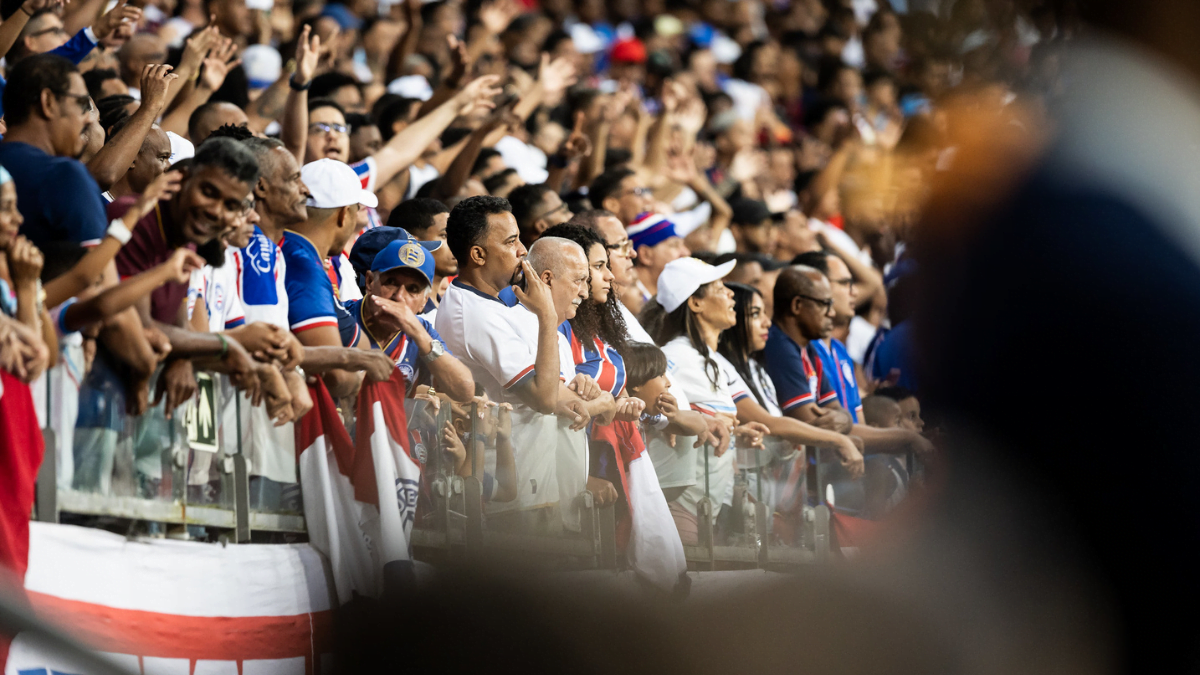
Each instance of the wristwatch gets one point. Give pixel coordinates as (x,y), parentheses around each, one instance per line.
(436,349)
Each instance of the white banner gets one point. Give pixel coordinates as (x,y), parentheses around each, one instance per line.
(163,606)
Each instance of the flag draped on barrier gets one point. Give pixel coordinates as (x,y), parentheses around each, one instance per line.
(360,498)
(654,549)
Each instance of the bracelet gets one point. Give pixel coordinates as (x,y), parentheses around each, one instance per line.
(298,87)
(224,345)
(119,231)
(27,13)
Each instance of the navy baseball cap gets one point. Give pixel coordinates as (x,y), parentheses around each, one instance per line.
(374,240)
(405,253)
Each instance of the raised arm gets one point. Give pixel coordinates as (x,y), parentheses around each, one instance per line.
(113,160)
(541,393)
(294,123)
(406,146)
(407,44)
(216,67)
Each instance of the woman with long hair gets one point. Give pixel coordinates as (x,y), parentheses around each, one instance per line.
(693,307)
(754,396)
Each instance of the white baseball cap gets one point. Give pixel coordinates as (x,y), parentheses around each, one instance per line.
(682,277)
(181,148)
(334,184)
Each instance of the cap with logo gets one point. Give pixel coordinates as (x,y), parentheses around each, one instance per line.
(334,184)
(405,254)
(683,277)
(374,240)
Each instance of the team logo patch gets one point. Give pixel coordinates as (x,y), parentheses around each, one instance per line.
(407,371)
(412,254)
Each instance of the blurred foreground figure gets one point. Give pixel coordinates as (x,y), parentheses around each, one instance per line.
(1070,275)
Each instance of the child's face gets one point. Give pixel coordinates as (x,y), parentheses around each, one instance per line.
(649,393)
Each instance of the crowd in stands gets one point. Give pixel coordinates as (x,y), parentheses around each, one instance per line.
(673,227)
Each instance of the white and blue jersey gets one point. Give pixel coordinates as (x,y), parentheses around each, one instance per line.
(839,367)
(312,297)
(402,350)
(598,360)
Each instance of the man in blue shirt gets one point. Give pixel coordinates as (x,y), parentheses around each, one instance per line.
(835,360)
(397,287)
(804,315)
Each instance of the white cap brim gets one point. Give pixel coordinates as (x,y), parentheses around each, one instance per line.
(683,277)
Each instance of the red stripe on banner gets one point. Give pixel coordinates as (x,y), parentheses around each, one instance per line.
(208,638)
(390,395)
(324,420)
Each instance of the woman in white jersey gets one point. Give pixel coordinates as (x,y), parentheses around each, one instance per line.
(689,313)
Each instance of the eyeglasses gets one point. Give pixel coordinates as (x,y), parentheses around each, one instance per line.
(847,282)
(322,127)
(84,101)
(826,304)
(624,248)
(639,191)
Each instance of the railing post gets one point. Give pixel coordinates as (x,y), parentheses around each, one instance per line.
(608,536)
(473,506)
(589,523)
(47,480)
(241,498)
(704,516)
(762,527)
(821,533)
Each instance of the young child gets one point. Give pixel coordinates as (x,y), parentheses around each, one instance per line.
(646,378)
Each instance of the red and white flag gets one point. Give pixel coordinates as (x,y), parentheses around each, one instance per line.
(360,498)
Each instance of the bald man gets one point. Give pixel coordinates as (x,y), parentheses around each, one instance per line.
(139,51)
(211,116)
(562,265)
(804,314)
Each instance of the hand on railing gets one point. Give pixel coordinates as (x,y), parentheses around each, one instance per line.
(751,434)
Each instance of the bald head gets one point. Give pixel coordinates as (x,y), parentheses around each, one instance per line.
(562,264)
(211,116)
(553,253)
(140,50)
(793,281)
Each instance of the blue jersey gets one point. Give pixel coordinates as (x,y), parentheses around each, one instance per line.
(312,298)
(839,367)
(599,360)
(57,196)
(892,360)
(798,374)
(399,347)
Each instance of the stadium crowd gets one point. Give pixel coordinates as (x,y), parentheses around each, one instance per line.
(673,227)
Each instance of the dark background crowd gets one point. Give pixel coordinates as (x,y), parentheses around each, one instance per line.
(719,240)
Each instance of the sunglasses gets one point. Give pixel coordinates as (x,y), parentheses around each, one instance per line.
(84,100)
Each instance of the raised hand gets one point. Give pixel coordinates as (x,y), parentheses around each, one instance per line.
(156,81)
(308,55)
(536,295)
(577,144)
(495,15)
(121,13)
(478,94)
(458,62)
(555,76)
(199,44)
(218,65)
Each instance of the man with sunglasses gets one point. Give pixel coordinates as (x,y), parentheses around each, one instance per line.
(804,313)
(834,356)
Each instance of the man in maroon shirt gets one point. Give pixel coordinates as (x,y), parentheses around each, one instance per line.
(213,198)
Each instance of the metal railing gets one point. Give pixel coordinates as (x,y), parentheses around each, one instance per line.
(190,476)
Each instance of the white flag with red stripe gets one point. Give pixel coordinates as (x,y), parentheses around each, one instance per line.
(360,498)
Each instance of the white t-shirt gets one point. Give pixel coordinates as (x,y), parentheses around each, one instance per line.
(498,344)
(686,369)
(842,241)
(859,339)
(529,161)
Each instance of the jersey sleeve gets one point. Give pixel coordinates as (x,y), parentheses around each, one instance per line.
(82,212)
(786,368)
(235,313)
(310,299)
(366,171)
(735,382)
(826,393)
(507,354)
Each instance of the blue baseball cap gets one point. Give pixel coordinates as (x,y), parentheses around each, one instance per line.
(374,240)
(405,253)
